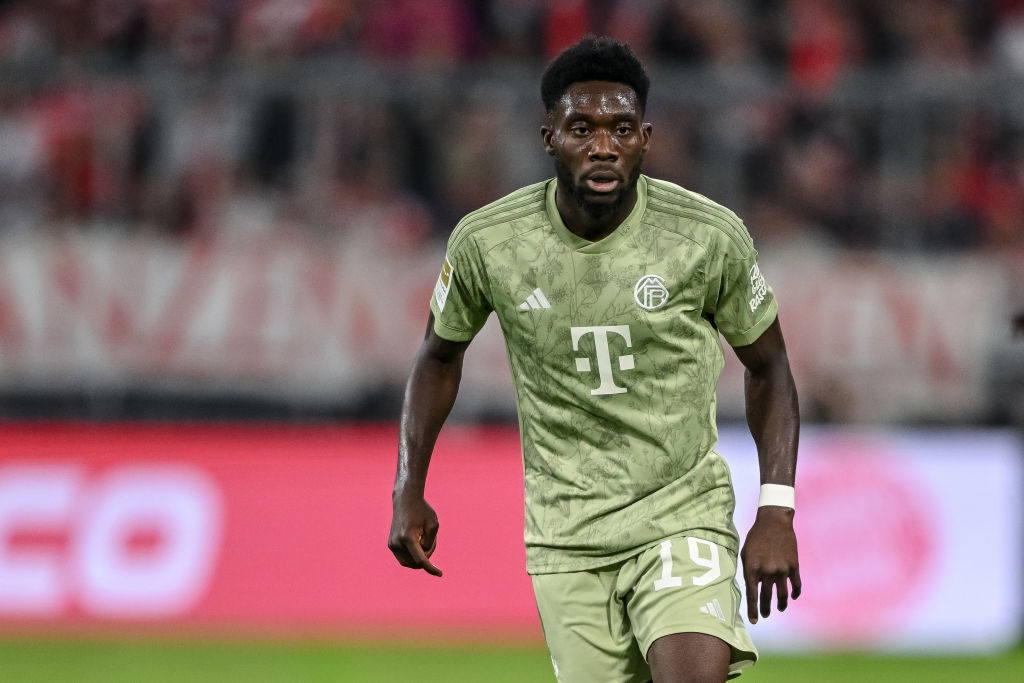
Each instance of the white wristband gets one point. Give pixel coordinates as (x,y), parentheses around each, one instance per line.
(777,494)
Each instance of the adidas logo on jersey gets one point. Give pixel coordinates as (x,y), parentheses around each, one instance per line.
(535,301)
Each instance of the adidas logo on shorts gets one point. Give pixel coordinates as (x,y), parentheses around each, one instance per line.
(714,609)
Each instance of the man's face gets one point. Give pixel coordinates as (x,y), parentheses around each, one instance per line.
(598,141)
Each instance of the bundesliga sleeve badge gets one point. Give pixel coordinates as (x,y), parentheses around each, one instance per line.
(444,284)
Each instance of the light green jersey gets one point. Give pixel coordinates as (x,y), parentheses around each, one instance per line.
(615,353)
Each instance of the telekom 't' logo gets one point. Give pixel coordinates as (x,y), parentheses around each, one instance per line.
(604,359)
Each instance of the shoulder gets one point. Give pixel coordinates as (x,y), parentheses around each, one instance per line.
(693,215)
(503,218)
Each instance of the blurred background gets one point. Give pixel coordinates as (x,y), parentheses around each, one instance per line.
(220,224)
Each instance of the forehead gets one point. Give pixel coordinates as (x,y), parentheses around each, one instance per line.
(598,97)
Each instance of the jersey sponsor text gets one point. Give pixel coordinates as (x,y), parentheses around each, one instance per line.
(758,287)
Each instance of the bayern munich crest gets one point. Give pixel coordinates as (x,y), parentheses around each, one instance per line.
(650,292)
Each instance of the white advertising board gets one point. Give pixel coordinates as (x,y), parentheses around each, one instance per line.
(909,541)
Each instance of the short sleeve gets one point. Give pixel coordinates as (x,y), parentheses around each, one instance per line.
(739,300)
(460,303)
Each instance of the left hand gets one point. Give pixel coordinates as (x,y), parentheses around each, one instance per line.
(770,559)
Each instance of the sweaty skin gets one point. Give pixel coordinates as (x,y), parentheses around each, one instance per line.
(598,141)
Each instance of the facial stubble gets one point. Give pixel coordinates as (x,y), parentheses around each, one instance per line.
(596,211)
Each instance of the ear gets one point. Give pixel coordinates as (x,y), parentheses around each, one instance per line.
(546,136)
(645,133)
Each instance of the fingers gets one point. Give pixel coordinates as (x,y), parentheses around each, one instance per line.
(410,553)
(782,590)
(413,536)
(751,582)
(428,541)
(769,558)
(766,598)
(413,550)
(759,603)
(419,557)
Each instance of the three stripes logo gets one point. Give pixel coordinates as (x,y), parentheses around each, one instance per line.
(714,609)
(535,301)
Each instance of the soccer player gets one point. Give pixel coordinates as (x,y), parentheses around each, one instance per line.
(612,289)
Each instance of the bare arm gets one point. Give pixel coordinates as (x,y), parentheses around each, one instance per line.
(770,552)
(429,396)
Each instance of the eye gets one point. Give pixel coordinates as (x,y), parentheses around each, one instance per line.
(580,130)
(624,129)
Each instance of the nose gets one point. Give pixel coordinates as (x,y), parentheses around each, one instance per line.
(602,147)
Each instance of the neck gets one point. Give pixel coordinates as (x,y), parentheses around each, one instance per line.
(592,226)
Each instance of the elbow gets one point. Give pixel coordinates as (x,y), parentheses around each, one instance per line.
(773,366)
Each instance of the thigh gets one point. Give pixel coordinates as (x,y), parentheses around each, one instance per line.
(688,585)
(682,657)
(586,628)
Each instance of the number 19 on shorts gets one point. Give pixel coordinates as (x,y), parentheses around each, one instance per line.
(703,553)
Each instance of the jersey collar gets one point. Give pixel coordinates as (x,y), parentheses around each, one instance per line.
(577,243)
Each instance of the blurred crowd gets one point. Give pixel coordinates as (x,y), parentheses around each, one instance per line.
(854,123)
(812,39)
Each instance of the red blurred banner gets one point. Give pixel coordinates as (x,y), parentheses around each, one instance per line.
(276,528)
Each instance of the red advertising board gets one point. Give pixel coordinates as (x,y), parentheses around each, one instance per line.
(253,527)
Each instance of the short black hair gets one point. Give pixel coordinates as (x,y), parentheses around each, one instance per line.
(594,58)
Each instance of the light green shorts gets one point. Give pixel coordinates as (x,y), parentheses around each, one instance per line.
(599,624)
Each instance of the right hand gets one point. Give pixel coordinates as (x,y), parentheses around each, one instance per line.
(413,536)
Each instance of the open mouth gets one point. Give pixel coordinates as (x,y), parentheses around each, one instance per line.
(602,182)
